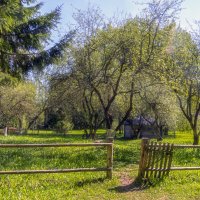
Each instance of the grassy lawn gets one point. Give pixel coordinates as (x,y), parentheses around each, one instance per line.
(91,185)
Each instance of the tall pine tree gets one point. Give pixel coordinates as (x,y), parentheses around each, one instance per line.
(24,33)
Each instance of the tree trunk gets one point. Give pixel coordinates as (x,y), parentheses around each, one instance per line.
(161,131)
(20,125)
(94,134)
(195,137)
(109,120)
(86,135)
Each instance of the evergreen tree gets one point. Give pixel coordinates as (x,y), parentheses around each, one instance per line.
(24,33)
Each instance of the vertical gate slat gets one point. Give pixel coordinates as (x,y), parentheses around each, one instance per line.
(165,160)
(170,158)
(161,160)
(157,159)
(153,157)
(149,158)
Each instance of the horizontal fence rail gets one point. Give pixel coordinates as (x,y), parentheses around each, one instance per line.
(108,169)
(185,168)
(55,171)
(156,159)
(54,145)
(178,146)
(174,169)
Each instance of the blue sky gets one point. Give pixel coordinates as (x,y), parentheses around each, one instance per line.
(190,12)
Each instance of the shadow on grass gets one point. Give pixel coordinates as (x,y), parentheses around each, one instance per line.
(136,185)
(90,181)
(47,135)
(122,138)
(61,135)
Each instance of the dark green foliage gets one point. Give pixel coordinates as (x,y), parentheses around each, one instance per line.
(24,34)
(79,121)
(54,117)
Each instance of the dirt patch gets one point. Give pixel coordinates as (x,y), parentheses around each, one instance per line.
(125,179)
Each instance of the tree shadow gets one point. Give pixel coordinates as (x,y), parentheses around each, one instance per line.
(136,185)
(52,135)
(122,138)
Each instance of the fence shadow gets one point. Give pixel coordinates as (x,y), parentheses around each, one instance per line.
(52,135)
(89,181)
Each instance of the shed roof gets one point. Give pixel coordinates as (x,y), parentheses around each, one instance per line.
(139,121)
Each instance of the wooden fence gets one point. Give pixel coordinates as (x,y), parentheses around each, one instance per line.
(108,168)
(156,159)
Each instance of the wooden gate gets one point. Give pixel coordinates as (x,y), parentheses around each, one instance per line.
(156,159)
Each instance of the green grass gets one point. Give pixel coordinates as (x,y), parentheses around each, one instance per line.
(91,185)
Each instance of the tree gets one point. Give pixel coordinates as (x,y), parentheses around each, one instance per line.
(81,107)
(107,59)
(158,106)
(110,58)
(184,77)
(24,34)
(17,104)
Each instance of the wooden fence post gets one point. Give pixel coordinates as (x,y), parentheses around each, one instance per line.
(6,131)
(143,158)
(110,158)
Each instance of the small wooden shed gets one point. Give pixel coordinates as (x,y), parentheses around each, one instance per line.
(138,128)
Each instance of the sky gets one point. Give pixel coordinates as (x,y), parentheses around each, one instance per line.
(189,13)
